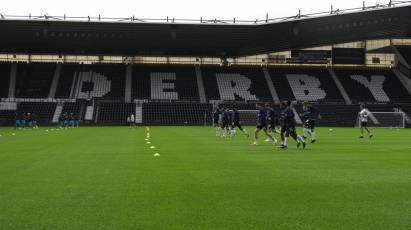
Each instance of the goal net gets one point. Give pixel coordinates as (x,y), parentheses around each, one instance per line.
(248,117)
(384,120)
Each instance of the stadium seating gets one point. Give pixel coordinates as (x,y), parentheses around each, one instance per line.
(4,80)
(34,80)
(406,53)
(176,114)
(76,108)
(235,84)
(335,115)
(100,81)
(114,113)
(365,86)
(7,117)
(66,80)
(165,83)
(305,84)
(173,95)
(43,111)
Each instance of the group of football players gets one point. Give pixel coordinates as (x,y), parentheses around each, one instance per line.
(271,122)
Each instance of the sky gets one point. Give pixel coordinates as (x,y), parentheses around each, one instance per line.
(192,9)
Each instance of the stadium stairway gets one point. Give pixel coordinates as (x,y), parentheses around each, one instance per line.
(200,85)
(57,113)
(54,83)
(139,114)
(89,113)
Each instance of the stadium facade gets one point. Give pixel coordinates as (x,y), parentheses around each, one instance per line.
(175,72)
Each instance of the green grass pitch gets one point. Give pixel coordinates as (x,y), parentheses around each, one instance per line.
(108,178)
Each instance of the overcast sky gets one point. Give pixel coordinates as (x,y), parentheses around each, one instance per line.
(221,9)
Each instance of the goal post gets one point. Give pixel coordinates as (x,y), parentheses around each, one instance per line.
(384,120)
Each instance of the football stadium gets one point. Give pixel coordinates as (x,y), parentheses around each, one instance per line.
(298,122)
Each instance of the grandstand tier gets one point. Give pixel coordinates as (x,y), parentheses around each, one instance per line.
(171,93)
(305,84)
(34,80)
(165,83)
(235,84)
(43,111)
(65,83)
(372,86)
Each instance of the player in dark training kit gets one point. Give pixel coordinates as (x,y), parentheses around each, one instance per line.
(272,118)
(310,115)
(225,122)
(216,121)
(237,123)
(262,124)
(288,126)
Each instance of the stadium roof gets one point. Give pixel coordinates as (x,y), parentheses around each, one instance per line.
(221,38)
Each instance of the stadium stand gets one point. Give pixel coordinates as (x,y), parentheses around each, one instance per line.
(4,80)
(114,113)
(170,91)
(406,53)
(176,113)
(372,86)
(305,84)
(34,80)
(235,84)
(100,81)
(7,117)
(336,115)
(66,80)
(164,83)
(43,111)
(77,108)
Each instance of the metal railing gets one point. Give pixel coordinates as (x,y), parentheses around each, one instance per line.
(168,19)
